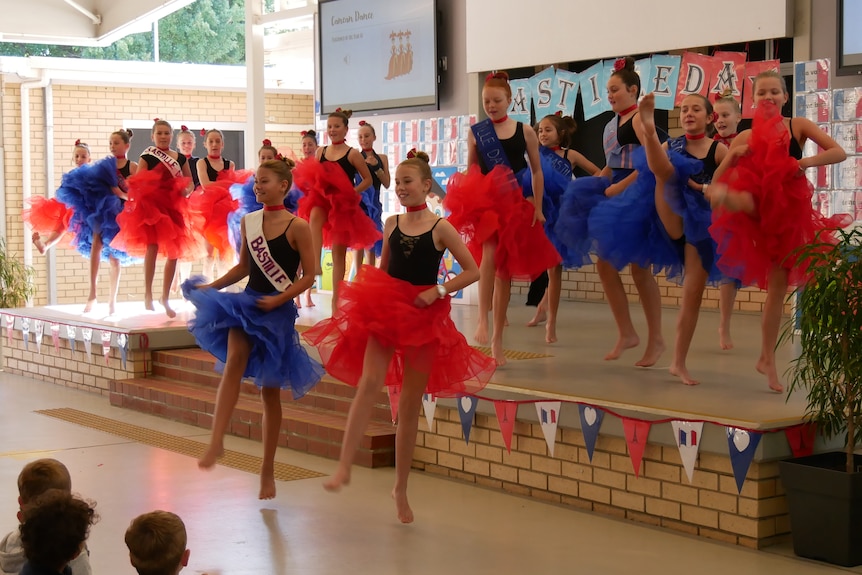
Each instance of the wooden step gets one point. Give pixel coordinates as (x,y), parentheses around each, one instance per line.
(304,427)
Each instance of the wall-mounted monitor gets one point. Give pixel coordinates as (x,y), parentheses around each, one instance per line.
(849,38)
(377,55)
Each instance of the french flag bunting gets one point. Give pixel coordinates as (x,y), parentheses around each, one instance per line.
(549,415)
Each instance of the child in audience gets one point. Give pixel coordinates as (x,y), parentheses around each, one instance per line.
(54,530)
(157,543)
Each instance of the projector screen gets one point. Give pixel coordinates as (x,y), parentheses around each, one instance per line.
(849,37)
(377,54)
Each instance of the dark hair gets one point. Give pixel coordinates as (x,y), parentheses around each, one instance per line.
(420,161)
(54,528)
(344,115)
(565,126)
(624,68)
(499,80)
(124,135)
(310,134)
(42,475)
(156,541)
(282,167)
(706,104)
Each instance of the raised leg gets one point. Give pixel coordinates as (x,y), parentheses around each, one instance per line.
(651,303)
(770,326)
(271,397)
(692,296)
(619,304)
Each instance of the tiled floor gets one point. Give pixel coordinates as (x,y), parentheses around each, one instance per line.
(459,528)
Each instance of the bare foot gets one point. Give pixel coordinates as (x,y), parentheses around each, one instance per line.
(551,332)
(208,460)
(309,302)
(337,481)
(623,343)
(297,301)
(37,241)
(481,335)
(768,369)
(646,108)
(267,486)
(681,372)
(497,353)
(90,303)
(148,303)
(402,507)
(724,339)
(112,308)
(541,315)
(166,303)
(651,354)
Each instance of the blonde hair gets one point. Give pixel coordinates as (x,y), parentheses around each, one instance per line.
(156,542)
(770,74)
(419,161)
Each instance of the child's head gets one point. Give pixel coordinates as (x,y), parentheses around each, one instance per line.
(162,134)
(273,180)
(413,179)
(81,153)
(366,135)
(336,125)
(696,114)
(496,95)
(728,114)
(185,141)
(624,85)
(54,528)
(214,142)
(119,143)
(309,143)
(266,152)
(157,543)
(769,85)
(554,130)
(41,475)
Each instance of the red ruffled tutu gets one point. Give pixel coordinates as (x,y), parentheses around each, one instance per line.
(45,215)
(325,185)
(425,337)
(210,207)
(750,246)
(157,213)
(492,208)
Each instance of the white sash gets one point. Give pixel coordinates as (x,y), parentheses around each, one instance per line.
(259,249)
(171,164)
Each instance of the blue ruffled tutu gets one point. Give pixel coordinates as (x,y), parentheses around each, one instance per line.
(373,208)
(627,229)
(248,203)
(87,189)
(556,185)
(571,229)
(696,214)
(277,358)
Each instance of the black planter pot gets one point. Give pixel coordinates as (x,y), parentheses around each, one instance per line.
(825,504)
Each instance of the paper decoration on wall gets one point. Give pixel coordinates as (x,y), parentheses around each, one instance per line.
(545,92)
(10,324)
(591,422)
(55,336)
(394,396)
(637,435)
(568,84)
(123,344)
(742,444)
(507,412)
(87,334)
(429,406)
(549,416)
(727,73)
(522,98)
(466,410)
(695,73)
(687,435)
(106,345)
(801,439)
(662,77)
(847,104)
(812,75)
(25,331)
(593,87)
(72,336)
(39,328)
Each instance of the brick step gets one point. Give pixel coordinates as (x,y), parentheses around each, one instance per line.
(193,365)
(304,428)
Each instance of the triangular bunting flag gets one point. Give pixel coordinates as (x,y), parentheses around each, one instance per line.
(742,444)
(72,336)
(637,434)
(87,334)
(801,439)
(687,435)
(394,397)
(10,325)
(591,422)
(25,331)
(106,345)
(39,328)
(123,344)
(507,411)
(549,416)
(429,406)
(55,336)
(466,409)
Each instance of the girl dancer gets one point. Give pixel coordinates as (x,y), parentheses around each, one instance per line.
(729,115)
(331,201)
(764,207)
(371,205)
(415,345)
(186,146)
(252,333)
(50,217)
(309,151)
(582,232)
(155,219)
(683,168)
(558,161)
(489,206)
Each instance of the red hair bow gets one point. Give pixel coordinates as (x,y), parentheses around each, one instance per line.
(619,64)
(155,119)
(203,131)
(489,77)
(559,113)
(337,109)
(267,142)
(362,122)
(279,157)
(411,154)
(184,128)
(303,133)
(78,142)
(714,117)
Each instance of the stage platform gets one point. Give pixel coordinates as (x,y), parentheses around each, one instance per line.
(572,371)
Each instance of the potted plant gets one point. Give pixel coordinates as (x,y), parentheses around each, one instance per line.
(824,491)
(16,279)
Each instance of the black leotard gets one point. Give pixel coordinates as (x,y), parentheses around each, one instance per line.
(414,259)
(282,253)
(514,148)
